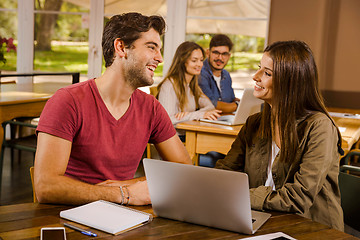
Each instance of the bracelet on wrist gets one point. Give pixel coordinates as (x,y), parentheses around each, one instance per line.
(128,196)
(122,195)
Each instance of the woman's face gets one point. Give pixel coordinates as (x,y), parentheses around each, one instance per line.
(263,79)
(194,63)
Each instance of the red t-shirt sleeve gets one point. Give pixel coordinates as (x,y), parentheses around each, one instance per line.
(59,116)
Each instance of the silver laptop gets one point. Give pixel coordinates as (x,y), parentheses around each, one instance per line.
(201,195)
(248,105)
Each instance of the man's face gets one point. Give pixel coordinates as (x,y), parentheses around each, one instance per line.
(142,58)
(218,57)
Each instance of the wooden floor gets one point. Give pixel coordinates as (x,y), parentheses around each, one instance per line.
(16,183)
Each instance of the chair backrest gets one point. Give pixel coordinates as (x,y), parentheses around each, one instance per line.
(32,183)
(350,188)
(150,149)
(153,91)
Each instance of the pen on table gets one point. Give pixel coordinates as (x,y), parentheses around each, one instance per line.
(88,233)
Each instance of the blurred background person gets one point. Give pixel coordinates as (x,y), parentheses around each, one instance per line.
(179,92)
(215,81)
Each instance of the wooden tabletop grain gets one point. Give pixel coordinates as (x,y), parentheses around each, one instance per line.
(24,221)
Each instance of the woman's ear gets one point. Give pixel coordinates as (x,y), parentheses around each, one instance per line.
(119,47)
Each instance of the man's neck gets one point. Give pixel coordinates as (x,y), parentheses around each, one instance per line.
(216,72)
(115,92)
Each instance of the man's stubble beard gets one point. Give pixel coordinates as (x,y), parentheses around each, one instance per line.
(136,77)
(214,67)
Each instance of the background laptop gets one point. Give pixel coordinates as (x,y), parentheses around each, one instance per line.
(247,106)
(201,195)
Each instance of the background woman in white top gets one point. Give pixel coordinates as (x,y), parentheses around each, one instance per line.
(179,92)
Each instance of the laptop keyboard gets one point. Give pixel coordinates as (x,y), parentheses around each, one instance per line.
(226,118)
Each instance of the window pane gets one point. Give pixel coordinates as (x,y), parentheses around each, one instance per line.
(61,40)
(8,29)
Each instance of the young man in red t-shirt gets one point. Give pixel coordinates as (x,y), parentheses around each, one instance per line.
(91,135)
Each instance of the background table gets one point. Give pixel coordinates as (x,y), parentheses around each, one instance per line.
(24,221)
(351,128)
(202,137)
(24,100)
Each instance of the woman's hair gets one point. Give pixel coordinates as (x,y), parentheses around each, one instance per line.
(127,27)
(295,93)
(176,74)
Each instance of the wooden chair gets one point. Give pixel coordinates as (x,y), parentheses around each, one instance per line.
(153,91)
(17,140)
(150,149)
(32,183)
(27,143)
(354,153)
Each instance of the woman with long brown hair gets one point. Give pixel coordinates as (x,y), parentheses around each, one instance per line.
(179,92)
(290,150)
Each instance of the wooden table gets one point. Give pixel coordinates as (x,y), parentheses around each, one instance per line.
(350,128)
(24,100)
(24,221)
(202,137)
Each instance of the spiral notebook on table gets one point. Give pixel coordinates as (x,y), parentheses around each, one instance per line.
(107,216)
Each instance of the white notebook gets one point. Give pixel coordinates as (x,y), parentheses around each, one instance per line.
(271,236)
(107,216)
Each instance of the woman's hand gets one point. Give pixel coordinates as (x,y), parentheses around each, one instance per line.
(212,114)
(180,115)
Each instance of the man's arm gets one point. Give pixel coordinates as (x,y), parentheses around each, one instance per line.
(226,107)
(52,186)
(173,150)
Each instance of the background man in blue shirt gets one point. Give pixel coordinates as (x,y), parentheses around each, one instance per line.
(215,81)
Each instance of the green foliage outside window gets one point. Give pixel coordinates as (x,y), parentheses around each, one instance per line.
(73,57)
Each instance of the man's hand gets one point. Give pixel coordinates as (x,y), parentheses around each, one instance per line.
(138,193)
(136,189)
(116,183)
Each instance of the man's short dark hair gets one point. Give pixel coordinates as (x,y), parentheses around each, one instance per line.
(127,27)
(221,40)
